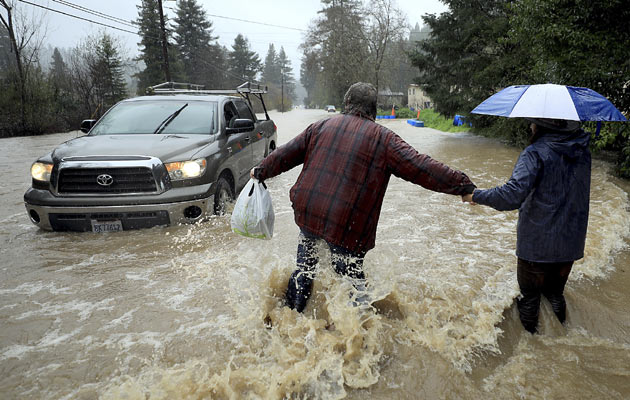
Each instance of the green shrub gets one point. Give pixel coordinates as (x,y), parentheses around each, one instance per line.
(437,121)
(406,113)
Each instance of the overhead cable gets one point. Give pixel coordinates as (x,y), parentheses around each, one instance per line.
(77,17)
(97,13)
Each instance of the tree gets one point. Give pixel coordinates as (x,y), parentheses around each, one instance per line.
(25,44)
(466,59)
(244,63)
(287,81)
(151,52)
(96,71)
(338,37)
(107,73)
(278,75)
(386,25)
(271,69)
(311,71)
(201,58)
(582,45)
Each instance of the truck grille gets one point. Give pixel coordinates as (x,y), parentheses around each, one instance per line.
(124,180)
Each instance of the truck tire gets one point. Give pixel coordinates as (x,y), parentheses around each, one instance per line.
(223,196)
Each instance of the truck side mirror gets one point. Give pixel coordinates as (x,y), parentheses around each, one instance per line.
(240,125)
(87,124)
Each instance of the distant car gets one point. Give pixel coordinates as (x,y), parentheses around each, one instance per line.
(154,160)
(331,108)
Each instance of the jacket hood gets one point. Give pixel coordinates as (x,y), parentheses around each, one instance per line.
(572,145)
(165,147)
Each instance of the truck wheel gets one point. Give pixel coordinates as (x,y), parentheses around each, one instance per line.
(223,196)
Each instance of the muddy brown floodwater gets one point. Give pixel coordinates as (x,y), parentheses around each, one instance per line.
(178,312)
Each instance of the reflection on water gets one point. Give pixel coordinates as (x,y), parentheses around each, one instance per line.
(196,311)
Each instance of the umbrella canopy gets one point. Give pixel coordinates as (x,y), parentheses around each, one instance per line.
(550,101)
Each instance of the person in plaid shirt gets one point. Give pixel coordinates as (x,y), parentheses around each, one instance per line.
(348,160)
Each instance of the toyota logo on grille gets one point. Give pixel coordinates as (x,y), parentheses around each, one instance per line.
(104,180)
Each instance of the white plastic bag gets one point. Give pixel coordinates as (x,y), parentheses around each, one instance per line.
(253,212)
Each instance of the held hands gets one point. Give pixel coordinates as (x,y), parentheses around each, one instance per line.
(468,198)
(251,173)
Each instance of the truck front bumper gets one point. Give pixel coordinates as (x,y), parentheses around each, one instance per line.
(184,205)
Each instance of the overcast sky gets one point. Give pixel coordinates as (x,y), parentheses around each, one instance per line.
(65,31)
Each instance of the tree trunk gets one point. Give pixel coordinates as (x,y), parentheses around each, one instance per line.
(8,23)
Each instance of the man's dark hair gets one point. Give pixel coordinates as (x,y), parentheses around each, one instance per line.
(360,99)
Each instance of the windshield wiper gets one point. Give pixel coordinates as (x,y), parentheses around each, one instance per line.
(168,120)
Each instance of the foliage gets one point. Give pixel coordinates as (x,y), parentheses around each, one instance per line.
(461,64)
(151,52)
(335,52)
(477,48)
(106,70)
(433,119)
(203,59)
(244,64)
(386,25)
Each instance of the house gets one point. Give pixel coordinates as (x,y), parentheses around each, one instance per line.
(387,98)
(417,99)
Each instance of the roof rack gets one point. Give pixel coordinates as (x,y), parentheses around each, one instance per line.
(244,90)
(185,88)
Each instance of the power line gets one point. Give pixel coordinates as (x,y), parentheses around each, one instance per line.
(77,17)
(258,23)
(97,13)
(116,19)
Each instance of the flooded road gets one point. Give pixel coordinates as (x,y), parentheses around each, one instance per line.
(179,312)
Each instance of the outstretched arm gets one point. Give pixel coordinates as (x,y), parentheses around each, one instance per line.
(285,157)
(513,193)
(406,163)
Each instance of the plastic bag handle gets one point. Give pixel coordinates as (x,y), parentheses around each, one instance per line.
(251,191)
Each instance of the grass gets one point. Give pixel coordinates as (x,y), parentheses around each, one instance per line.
(431,119)
(436,121)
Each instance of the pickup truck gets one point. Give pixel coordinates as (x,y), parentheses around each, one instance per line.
(176,156)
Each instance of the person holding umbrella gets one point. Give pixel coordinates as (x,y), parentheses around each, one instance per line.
(550,186)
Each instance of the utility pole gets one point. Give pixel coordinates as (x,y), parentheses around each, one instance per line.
(167,71)
(282,86)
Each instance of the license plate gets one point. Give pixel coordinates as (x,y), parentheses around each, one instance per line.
(106,226)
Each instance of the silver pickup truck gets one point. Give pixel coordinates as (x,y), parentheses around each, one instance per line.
(173,157)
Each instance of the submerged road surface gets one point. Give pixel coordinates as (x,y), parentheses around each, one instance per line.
(179,312)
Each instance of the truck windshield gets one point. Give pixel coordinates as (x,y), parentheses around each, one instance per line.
(140,117)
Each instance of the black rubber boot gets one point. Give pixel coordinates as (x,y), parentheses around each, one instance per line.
(299,290)
(528,307)
(558,305)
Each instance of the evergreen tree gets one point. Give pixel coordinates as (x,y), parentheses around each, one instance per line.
(339,37)
(286,73)
(58,69)
(151,53)
(107,73)
(310,77)
(202,60)
(271,70)
(244,63)
(466,56)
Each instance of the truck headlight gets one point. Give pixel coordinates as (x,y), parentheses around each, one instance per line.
(186,169)
(41,171)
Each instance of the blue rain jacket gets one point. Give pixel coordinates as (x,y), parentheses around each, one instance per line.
(550,186)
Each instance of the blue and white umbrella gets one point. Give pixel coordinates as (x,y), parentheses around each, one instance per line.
(550,101)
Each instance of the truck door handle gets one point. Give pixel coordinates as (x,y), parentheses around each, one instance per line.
(248,139)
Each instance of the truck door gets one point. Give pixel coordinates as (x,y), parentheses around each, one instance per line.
(238,146)
(258,141)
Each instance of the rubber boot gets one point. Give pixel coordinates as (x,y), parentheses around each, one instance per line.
(558,305)
(299,290)
(528,307)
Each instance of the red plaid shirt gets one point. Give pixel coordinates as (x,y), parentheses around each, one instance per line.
(348,161)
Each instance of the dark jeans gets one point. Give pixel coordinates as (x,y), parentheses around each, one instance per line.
(344,262)
(535,279)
